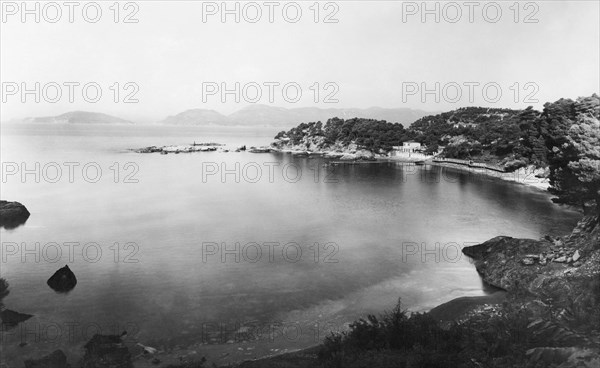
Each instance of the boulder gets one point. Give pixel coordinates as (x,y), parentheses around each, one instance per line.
(12,214)
(576,256)
(334,154)
(63,280)
(348,157)
(57,359)
(106,351)
(365,155)
(528,261)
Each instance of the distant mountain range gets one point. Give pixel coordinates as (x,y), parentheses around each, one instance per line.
(262,115)
(252,116)
(79,117)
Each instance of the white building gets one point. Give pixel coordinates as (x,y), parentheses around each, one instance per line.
(407,149)
(411,145)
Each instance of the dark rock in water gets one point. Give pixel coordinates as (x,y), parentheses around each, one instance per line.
(106,351)
(3,289)
(11,319)
(63,280)
(12,214)
(57,359)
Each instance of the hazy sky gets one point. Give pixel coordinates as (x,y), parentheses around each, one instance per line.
(377,54)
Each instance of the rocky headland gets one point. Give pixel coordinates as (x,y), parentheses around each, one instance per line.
(556,283)
(312,144)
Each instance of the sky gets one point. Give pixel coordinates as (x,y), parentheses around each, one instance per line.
(151,59)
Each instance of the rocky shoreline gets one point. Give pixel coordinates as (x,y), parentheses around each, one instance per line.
(530,176)
(555,282)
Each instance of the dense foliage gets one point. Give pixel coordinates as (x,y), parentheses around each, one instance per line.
(398,340)
(564,139)
(374,135)
(570,133)
(469,131)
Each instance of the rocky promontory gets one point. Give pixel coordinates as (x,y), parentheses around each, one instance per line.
(565,269)
(317,145)
(555,283)
(344,139)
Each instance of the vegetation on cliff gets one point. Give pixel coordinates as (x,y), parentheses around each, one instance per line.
(374,135)
(470,132)
(550,317)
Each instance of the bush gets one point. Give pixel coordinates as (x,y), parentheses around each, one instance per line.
(514,165)
(396,339)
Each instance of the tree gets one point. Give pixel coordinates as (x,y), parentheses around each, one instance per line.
(575,164)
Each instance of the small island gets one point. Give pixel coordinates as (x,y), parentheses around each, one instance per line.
(188,148)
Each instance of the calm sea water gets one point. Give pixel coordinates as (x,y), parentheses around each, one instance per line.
(234,255)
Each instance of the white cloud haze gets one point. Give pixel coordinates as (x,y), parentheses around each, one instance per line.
(368,54)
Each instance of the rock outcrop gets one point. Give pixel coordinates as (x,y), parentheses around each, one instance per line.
(106,351)
(562,269)
(557,283)
(57,359)
(63,280)
(317,145)
(186,148)
(12,214)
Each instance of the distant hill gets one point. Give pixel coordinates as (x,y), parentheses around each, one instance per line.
(263,115)
(79,117)
(197,117)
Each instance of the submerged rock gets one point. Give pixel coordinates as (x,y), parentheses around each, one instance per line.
(561,259)
(57,359)
(106,351)
(63,280)
(12,214)
(11,319)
